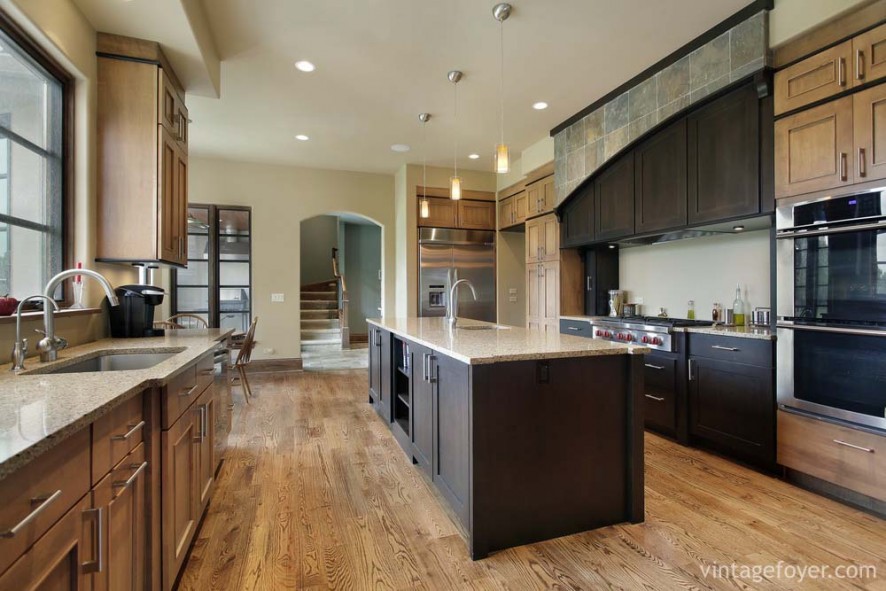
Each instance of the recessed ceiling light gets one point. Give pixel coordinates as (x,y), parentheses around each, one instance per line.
(302,137)
(400,148)
(473,156)
(305,66)
(738,228)
(540,106)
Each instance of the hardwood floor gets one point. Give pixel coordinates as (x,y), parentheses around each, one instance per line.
(316,494)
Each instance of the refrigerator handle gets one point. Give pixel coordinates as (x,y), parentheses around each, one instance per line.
(589,283)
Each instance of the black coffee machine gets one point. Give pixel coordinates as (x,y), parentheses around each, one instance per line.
(134,317)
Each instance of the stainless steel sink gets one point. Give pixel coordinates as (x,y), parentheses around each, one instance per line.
(482,327)
(113,362)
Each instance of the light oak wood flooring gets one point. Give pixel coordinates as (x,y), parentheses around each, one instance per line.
(316,494)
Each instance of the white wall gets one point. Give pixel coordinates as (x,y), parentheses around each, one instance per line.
(790,18)
(281,197)
(317,237)
(702,269)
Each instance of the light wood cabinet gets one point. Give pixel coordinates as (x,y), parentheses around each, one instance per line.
(542,239)
(206,417)
(466,214)
(869,122)
(142,154)
(816,78)
(540,196)
(513,210)
(442,213)
(534,240)
(505,213)
(812,149)
(554,280)
(869,51)
(476,215)
(521,207)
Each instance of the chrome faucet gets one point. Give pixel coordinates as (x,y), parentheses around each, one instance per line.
(452,310)
(50,344)
(20,348)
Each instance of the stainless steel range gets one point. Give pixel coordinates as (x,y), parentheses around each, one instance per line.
(651,331)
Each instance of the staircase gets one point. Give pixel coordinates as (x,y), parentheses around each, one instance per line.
(320,324)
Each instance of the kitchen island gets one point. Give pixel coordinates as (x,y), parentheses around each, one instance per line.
(527,435)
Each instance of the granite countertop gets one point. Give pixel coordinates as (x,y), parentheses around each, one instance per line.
(477,347)
(744,332)
(39,410)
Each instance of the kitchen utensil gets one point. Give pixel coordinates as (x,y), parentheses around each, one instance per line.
(761,316)
(616,302)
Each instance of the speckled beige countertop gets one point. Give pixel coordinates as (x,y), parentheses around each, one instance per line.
(493,346)
(39,410)
(745,332)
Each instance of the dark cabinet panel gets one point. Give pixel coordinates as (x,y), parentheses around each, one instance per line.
(661,392)
(422,408)
(732,407)
(577,328)
(452,439)
(374,365)
(601,275)
(577,225)
(614,200)
(380,386)
(660,177)
(724,158)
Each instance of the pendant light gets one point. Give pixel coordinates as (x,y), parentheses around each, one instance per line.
(455,181)
(501,12)
(425,209)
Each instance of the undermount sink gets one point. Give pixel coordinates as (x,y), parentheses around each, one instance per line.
(114,362)
(482,327)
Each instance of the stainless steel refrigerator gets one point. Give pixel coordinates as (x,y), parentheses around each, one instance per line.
(446,256)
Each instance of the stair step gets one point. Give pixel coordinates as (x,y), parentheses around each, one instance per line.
(320,295)
(321,345)
(321,332)
(318,305)
(330,286)
(317,323)
(319,314)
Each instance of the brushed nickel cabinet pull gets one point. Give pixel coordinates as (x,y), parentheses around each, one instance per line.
(132,431)
(139,468)
(187,391)
(722,348)
(656,398)
(841,71)
(861,163)
(650,366)
(432,377)
(573,328)
(96,566)
(858,447)
(844,167)
(45,501)
(588,283)
(859,65)
(691,373)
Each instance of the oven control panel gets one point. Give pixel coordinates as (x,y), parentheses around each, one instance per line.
(653,340)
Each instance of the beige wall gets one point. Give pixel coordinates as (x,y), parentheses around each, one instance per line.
(702,269)
(64,32)
(281,197)
(407,178)
(790,18)
(511,275)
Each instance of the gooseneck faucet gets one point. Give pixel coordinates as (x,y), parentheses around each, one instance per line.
(20,348)
(50,344)
(452,310)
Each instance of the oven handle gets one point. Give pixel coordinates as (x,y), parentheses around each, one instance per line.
(858,331)
(825,231)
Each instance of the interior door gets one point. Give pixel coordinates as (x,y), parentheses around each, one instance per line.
(476,263)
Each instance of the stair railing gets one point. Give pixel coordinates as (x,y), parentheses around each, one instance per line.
(342,302)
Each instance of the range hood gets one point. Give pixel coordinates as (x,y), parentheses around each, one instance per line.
(736,227)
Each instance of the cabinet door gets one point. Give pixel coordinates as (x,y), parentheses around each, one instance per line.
(818,77)
(422,409)
(168,102)
(533,194)
(205,409)
(476,215)
(869,118)
(505,213)
(374,365)
(443,213)
(534,240)
(533,291)
(812,149)
(181,203)
(182,123)
(577,228)
(121,496)
(521,207)
(550,292)
(385,392)
(550,246)
(660,177)
(724,158)
(180,491)
(549,196)
(614,200)
(451,463)
(869,53)
(732,405)
(55,561)
(661,393)
(169,232)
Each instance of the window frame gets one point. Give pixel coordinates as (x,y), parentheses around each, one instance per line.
(36,52)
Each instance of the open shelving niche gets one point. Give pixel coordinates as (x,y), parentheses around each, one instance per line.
(402,389)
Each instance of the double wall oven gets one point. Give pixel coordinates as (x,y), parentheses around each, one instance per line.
(831,273)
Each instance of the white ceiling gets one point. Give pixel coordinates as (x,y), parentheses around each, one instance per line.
(381,62)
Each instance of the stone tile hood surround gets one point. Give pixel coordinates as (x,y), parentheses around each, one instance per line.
(587,144)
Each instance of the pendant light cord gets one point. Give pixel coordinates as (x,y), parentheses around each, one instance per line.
(501,87)
(455,152)
(424,158)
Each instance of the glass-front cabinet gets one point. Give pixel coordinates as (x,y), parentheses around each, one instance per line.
(217,283)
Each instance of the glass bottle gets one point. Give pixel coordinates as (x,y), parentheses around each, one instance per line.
(690,313)
(738,312)
(715,313)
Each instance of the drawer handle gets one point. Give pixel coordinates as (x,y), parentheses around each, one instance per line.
(208,372)
(722,348)
(45,501)
(187,391)
(656,398)
(650,366)
(139,468)
(96,566)
(858,447)
(132,431)
(841,72)
(573,328)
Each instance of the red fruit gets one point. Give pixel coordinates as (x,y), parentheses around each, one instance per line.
(8,306)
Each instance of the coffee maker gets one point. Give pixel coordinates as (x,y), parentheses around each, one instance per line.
(134,317)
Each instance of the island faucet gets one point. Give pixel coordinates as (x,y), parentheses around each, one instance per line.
(50,344)
(20,348)
(452,309)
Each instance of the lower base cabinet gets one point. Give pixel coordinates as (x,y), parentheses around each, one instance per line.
(660,394)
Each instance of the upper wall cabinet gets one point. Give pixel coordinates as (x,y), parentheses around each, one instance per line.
(577,225)
(614,200)
(870,55)
(142,154)
(660,180)
(465,214)
(724,158)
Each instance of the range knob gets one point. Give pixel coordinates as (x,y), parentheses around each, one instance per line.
(657,341)
(645,339)
(607,334)
(629,337)
(599,333)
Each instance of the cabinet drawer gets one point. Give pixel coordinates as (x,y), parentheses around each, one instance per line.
(660,392)
(813,79)
(116,434)
(205,372)
(846,457)
(736,349)
(43,490)
(579,328)
(178,395)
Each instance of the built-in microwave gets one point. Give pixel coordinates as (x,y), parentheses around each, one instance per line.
(831,274)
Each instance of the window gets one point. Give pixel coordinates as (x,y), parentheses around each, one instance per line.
(33,104)
(217,284)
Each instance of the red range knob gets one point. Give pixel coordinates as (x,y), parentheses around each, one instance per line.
(645,339)
(656,341)
(599,333)
(629,337)
(607,334)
